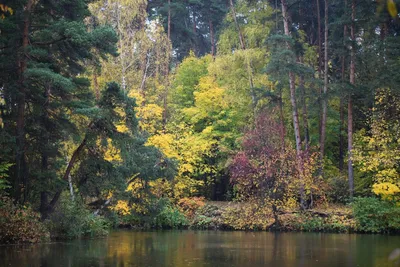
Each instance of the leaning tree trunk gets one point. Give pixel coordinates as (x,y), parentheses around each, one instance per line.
(241,38)
(350,104)
(50,207)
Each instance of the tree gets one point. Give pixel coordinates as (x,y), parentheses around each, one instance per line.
(376,151)
(350,103)
(45,89)
(267,172)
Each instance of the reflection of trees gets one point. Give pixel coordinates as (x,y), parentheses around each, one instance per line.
(208,248)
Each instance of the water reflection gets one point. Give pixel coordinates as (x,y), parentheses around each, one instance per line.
(208,248)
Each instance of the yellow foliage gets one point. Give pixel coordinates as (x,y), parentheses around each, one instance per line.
(150,114)
(386,190)
(161,188)
(376,152)
(165,143)
(5,9)
(111,153)
(122,128)
(185,186)
(122,207)
(189,150)
(392,9)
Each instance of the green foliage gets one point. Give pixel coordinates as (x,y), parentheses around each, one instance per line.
(330,223)
(207,216)
(375,215)
(20,224)
(187,77)
(155,213)
(170,217)
(314,224)
(4,184)
(338,189)
(72,219)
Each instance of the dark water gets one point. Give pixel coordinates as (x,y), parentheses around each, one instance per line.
(209,248)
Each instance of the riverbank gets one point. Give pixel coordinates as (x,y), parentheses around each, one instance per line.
(20,224)
(364,215)
(252,217)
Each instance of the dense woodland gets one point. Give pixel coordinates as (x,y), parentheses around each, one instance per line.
(143,113)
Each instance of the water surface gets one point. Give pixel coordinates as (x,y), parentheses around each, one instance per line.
(209,248)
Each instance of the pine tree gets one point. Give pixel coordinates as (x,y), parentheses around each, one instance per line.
(50,47)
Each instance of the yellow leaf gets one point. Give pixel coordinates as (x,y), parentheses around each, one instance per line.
(392,9)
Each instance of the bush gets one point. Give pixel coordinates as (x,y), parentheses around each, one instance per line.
(189,206)
(247,216)
(338,190)
(312,224)
(160,213)
(170,218)
(73,220)
(375,215)
(19,224)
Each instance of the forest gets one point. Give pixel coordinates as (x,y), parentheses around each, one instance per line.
(238,115)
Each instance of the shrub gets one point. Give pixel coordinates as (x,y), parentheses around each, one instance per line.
(375,215)
(247,216)
(19,224)
(338,189)
(312,224)
(170,218)
(190,205)
(73,220)
(4,184)
(160,213)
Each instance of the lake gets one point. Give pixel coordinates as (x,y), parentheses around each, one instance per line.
(208,248)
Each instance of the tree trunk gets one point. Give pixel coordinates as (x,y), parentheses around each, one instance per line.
(292,85)
(249,64)
(341,127)
(96,85)
(350,104)
(319,38)
(341,137)
(295,115)
(44,141)
(241,39)
(194,23)
(165,94)
(44,193)
(282,119)
(305,115)
(324,96)
(50,207)
(21,175)
(144,77)
(212,38)
(169,19)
